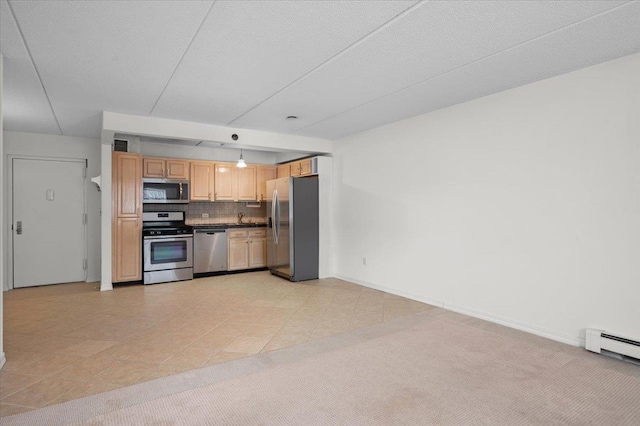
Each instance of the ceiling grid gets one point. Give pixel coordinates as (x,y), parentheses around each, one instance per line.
(182,57)
(471,63)
(341,67)
(34,66)
(342,52)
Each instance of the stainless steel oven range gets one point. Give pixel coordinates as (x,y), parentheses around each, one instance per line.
(167,247)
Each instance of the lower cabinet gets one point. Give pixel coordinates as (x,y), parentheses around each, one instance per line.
(127,259)
(257,252)
(247,248)
(238,254)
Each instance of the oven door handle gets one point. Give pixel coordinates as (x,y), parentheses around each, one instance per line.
(168,238)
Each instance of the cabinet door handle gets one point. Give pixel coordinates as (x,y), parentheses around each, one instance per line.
(209,196)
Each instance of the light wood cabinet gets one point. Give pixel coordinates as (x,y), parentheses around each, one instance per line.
(238,254)
(265,173)
(301,168)
(153,167)
(257,248)
(177,169)
(284,170)
(126,262)
(305,167)
(247,248)
(201,183)
(225,182)
(295,168)
(165,168)
(128,250)
(127,184)
(234,184)
(246,184)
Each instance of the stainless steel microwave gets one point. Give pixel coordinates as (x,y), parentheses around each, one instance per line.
(165,191)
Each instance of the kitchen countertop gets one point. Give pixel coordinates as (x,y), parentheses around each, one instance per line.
(228,225)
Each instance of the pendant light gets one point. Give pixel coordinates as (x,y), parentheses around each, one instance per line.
(241,164)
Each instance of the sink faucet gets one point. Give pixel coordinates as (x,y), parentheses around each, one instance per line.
(240,216)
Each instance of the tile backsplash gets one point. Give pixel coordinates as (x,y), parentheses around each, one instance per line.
(219,212)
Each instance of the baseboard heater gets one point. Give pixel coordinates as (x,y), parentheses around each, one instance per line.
(598,340)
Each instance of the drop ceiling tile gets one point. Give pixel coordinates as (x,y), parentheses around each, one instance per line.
(603,38)
(106,55)
(434,38)
(25,105)
(11,44)
(247,51)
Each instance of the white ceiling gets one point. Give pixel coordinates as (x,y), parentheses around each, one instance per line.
(340,66)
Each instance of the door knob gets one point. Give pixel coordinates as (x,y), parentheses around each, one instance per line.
(19,227)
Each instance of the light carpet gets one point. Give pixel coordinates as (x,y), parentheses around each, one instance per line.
(435,368)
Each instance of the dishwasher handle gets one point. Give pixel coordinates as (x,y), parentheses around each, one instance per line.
(210,231)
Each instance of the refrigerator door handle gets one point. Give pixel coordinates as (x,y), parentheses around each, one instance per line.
(273,210)
(275,207)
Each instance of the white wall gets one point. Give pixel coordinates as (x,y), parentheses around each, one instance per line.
(40,145)
(522,207)
(2,252)
(105,223)
(325,217)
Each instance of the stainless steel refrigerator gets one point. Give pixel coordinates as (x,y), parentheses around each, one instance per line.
(292,221)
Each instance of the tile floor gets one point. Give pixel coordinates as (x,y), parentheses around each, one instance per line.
(68,341)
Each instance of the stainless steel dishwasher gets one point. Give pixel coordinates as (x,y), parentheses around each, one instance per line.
(209,250)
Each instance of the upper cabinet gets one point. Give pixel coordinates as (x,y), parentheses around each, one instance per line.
(246,184)
(284,170)
(177,169)
(235,184)
(153,167)
(265,173)
(217,181)
(305,167)
(201,184)
(295,168)
(225,182)
(127,184)
(301,168)
(167,168)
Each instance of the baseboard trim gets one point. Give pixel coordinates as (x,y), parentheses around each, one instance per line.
(417,298)
(528,328)
(3,359)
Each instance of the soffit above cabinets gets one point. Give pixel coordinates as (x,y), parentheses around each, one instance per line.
(340,66)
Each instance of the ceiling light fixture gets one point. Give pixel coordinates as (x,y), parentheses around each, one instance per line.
(241,164)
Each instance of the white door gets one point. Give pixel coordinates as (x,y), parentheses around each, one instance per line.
(48,222)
